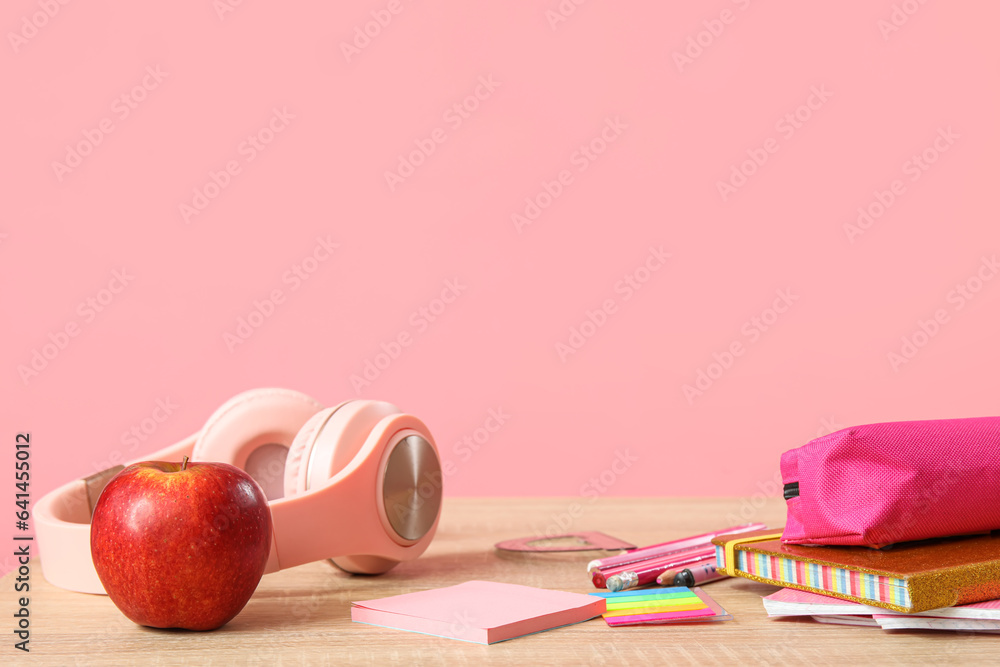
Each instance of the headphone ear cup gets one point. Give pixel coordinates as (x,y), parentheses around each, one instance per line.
(326,444)
(254,431)
(298,452)
(330,441)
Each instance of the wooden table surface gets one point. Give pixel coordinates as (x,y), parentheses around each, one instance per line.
(302,616)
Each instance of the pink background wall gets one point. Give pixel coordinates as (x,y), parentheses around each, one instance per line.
(677,201)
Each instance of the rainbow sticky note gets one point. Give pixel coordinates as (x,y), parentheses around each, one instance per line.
(675,604)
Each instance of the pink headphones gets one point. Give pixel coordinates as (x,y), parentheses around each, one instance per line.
(359,483)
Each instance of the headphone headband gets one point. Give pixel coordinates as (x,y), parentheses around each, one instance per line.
(62,524)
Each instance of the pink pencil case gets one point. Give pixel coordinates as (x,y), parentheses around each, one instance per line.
(884,483)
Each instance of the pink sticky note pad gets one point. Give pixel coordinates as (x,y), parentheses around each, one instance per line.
(479,611)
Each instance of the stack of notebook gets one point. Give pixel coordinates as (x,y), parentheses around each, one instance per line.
(976,617)
(908,577)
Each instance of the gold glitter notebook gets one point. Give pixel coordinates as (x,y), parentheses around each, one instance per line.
(907,577)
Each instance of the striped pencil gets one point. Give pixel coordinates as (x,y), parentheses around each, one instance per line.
(667,548)
(601,577)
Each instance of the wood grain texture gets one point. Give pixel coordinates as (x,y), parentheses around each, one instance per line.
(302,616)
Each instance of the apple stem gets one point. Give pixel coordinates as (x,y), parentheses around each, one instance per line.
(184,463)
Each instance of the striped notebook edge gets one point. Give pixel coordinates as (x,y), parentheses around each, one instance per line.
(865,588)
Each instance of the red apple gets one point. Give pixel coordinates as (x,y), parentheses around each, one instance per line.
(181,545)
